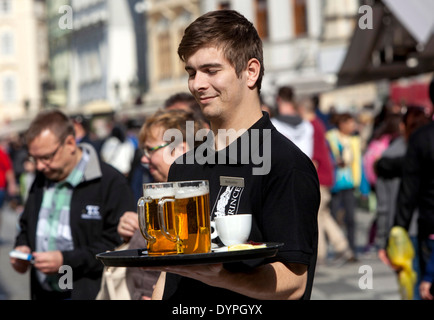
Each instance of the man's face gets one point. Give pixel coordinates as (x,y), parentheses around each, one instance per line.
(214,83)
(51,156)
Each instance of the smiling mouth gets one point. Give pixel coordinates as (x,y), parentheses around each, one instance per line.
(205,100)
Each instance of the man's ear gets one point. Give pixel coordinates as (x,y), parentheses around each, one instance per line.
(253,70)
(70,141)
(70,144)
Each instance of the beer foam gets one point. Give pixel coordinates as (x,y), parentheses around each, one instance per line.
(159,193)
(190,192)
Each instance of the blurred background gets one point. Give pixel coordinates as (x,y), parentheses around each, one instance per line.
(108,60)
(119,57)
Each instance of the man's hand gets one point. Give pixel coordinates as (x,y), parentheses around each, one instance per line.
(274,281)
(209,273)
(48,262)
(424,290)
(19,265)
(382,255)
(128,224)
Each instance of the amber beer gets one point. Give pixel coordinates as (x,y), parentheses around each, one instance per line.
(148,206)
(192,211)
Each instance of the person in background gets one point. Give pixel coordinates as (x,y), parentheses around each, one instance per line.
(323,117)
(26,179)
(8,183)
(329,231)
(71,212)
(140,282)
(17,153)
(118,151)
(82,131)
(347,159)
(185,101)
(139,173)
(387,186)
(289,122)
(417,188)
(380,141)
(182,101)
(426,286)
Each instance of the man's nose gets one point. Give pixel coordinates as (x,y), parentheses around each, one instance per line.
(40,165)
(199,82)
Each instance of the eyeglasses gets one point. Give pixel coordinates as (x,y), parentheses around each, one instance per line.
(46,160)
(148,152)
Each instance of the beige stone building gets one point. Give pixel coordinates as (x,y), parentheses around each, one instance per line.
(305,41)
(166,22)
(23,59)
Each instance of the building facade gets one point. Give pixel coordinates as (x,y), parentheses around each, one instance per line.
(23,58)
(104,54)
(166,22)
(304,41)
(56,88)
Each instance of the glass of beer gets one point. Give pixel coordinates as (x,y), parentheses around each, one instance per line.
(148,208)
(192,217)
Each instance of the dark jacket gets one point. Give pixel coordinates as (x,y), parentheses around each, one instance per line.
(102,186)
(417,186)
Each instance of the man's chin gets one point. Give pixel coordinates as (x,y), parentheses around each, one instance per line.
(209,113)
(51,176)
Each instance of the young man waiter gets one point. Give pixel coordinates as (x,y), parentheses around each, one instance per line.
(223,57)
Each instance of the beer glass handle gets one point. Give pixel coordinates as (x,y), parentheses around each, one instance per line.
(214,233)
(162,221)
(142,220)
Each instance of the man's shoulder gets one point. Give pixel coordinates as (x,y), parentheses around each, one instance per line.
(422,132)
(423,139)
(108,170)
(281,144)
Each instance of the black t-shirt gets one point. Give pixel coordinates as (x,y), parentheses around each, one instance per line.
(280,189)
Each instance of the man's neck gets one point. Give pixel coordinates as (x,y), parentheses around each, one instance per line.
(227,130)
(78,153)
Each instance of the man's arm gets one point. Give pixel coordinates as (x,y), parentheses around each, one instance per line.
(410,183)
(273,281)
(158,292)
(11,183)
(389,168)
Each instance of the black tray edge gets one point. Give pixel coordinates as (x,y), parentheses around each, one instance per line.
(109,260)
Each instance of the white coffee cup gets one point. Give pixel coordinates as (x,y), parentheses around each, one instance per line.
(232,229)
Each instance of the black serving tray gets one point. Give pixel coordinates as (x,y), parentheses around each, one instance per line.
(140,257)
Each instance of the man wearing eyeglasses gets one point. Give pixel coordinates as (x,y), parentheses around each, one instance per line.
(71,213)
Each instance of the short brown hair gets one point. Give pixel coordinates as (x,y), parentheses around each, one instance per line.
(171,119)
(286,93)
(340,118)
(55,121)
(227,30)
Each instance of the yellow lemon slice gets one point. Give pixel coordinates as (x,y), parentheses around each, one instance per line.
(245,246)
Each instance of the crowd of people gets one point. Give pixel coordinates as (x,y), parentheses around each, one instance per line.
(354,167)
(77,196)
